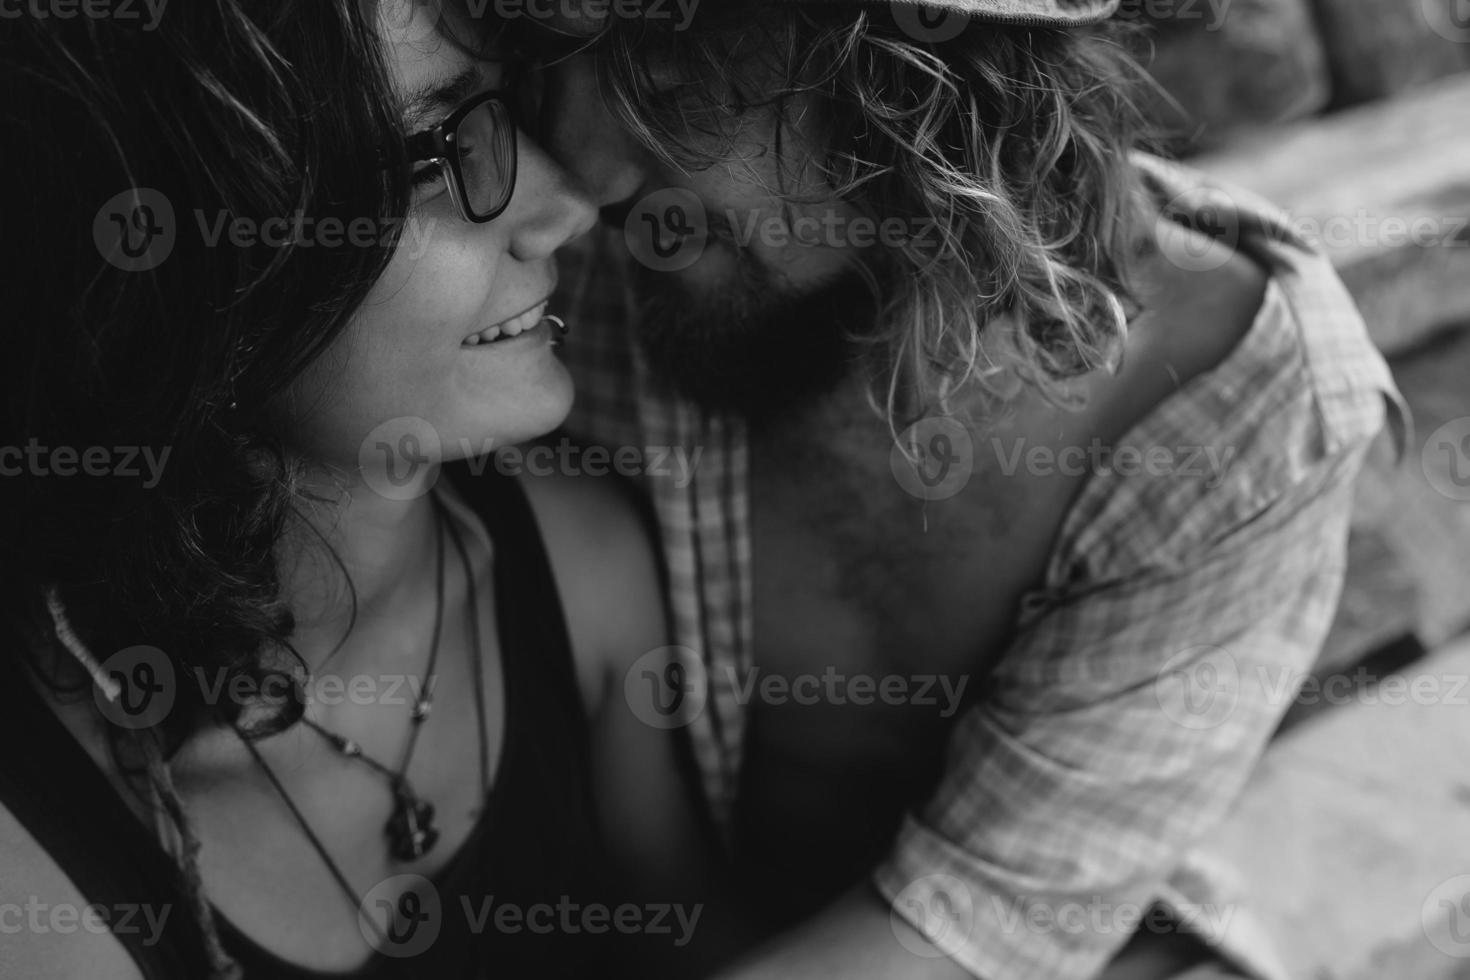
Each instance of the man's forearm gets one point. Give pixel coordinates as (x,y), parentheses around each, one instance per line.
(855,938)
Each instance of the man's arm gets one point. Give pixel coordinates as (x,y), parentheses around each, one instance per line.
(855,937)
(860,936)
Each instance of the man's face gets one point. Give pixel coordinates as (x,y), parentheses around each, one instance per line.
(750,312)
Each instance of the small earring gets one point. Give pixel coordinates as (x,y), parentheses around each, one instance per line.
(242,351)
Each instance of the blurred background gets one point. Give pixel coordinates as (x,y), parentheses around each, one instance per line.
(1354,116)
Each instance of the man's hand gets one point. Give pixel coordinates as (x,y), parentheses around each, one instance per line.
(856,938)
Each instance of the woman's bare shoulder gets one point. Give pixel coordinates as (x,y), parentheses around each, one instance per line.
(602,549)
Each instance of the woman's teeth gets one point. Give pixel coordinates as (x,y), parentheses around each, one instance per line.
(513,327)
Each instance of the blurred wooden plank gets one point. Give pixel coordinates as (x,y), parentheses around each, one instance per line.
(1416,510)
(1424,507)
(1351,837)
(1386,190)
(1235,66)
(1380,600)
(1376,48)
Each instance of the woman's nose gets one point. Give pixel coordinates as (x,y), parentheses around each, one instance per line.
(548,209)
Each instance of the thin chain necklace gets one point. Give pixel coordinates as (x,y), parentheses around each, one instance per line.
(410,829)
(477,684)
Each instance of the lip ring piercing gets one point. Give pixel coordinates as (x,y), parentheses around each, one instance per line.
(561,328)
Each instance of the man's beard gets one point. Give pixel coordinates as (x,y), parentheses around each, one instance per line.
(756,347)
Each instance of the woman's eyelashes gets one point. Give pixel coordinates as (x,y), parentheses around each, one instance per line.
(428,185)
(428,176)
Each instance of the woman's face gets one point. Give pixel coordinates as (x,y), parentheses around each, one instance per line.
(408,355)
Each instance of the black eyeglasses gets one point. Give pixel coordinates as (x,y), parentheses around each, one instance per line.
(476,146)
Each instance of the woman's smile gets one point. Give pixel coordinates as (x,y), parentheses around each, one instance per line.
(526,324)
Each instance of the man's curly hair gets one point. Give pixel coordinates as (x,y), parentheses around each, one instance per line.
(1008,144)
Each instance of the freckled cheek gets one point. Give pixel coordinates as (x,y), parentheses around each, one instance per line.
(440,291)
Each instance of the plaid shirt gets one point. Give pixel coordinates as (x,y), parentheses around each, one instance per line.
(1147,672)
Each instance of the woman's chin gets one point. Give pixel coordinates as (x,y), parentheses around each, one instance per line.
(520,410)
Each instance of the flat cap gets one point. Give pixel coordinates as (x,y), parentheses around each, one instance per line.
(1048,13)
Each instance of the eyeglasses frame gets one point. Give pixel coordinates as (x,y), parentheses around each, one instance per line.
(436,145)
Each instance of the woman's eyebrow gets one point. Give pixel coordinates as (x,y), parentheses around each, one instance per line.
(439,96)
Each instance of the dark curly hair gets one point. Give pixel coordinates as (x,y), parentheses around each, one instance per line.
(240,109)
(228,108)
(1008,144)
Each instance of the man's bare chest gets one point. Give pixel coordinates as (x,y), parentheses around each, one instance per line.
(853,573)
(878,617)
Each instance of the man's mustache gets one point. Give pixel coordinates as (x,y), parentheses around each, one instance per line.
(719,225)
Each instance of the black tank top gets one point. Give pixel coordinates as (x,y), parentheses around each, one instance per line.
(509,900)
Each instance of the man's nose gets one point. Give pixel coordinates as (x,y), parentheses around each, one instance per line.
(583,135)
